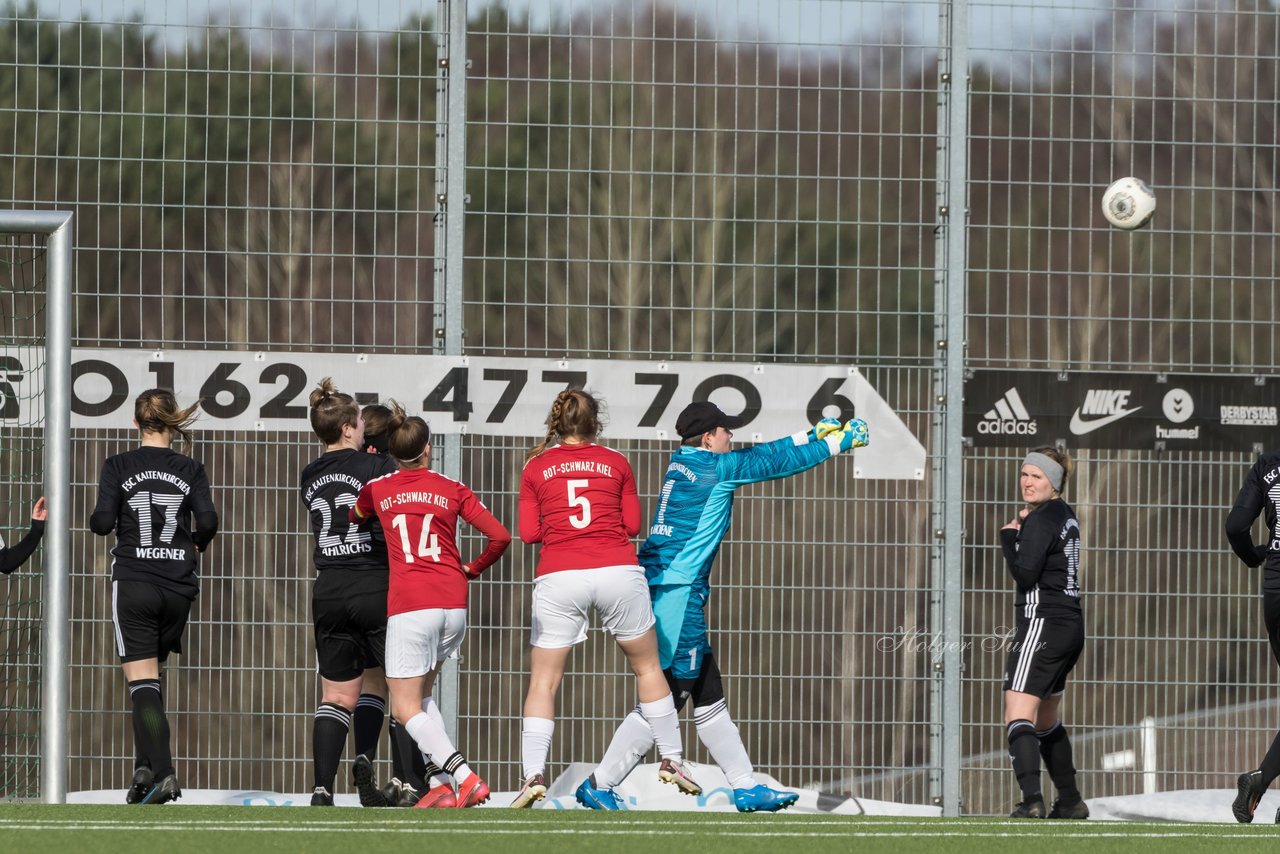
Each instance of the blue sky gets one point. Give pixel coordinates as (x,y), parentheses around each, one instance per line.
(999,25)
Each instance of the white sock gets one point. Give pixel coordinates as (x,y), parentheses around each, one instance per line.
(434,742)
(453,763)
(717,731)
(535,743)
(665,723)
(629,745)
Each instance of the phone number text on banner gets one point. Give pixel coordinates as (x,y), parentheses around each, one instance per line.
(493,395)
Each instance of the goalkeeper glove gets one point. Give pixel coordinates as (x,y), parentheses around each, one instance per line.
(855,434)
(823,428)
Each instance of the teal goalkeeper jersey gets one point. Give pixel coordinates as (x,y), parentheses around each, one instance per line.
(695,508)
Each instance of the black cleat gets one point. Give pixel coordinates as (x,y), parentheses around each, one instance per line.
(1030,808)
(1075,808)
(409,796)
(140,786)
(1251,789)
(162,791)
(362,776)
(320,797)
(391,792)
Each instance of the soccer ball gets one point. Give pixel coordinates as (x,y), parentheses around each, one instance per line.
(1128,203)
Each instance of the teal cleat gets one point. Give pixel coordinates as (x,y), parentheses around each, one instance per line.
(763,799)
(597,799)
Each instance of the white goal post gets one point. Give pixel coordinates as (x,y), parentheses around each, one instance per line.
(55,227)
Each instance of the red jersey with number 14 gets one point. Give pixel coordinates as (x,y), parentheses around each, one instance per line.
(419,510)
(580,502)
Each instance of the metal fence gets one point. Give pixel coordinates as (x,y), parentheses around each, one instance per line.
(801,181)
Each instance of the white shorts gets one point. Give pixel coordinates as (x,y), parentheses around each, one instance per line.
(419,640)
(562,603)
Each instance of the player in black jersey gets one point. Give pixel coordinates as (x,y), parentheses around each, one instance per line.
(148,498)
(14,556)
(349,600)
(1259,496)
(1042,549)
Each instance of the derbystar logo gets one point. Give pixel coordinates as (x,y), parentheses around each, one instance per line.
(1248,416)
(1100,408)
(1008,417)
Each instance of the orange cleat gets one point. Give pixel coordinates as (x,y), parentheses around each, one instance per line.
(440,796)
(472,791)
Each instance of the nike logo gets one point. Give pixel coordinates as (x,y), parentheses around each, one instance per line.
(1079,426)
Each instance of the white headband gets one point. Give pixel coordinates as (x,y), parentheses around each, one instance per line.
(1051,468)
(415,459)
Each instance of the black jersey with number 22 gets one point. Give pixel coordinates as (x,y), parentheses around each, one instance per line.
(328,490)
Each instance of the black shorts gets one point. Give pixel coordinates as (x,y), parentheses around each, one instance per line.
(351,629)
(149,620)
(705,689)
(1043,652)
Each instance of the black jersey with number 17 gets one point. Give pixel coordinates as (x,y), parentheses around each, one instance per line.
(147,496)
(330,485)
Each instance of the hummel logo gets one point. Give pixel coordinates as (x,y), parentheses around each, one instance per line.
(1109,404)
(1008,417)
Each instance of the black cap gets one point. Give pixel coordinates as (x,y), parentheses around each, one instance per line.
(703,417)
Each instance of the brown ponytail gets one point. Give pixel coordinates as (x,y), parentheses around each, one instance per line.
(408,436)
(575,414)
(156,411)
(331,410)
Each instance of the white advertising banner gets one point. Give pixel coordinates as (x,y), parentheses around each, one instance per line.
(481,395)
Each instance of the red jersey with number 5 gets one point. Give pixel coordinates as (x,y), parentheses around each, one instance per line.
(419,510)
(580,502)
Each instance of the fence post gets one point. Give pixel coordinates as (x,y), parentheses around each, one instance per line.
(950,304)
(450,234)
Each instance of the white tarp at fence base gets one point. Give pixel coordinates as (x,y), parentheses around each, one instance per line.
(641,791)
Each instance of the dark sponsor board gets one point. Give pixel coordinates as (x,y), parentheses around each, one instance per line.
(1122,410)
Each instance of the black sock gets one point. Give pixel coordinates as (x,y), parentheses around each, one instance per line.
(367,723)
(327,740)
(139,758)
(1271,762)
(1055,750)
(430,770)
(1024,749)
(151,727)
(406,759)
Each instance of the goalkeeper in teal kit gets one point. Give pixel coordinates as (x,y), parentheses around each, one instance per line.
(694,510)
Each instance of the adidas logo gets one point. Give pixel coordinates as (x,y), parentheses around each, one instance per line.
(1009,417)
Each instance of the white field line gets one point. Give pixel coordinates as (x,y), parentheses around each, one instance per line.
(443,819)
(479,828)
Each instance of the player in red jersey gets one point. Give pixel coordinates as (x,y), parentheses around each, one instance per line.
(579,500)
(427,595)
(409,768)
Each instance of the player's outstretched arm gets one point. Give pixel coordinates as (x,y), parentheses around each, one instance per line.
(13,557)
(823,429)
(791,454)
